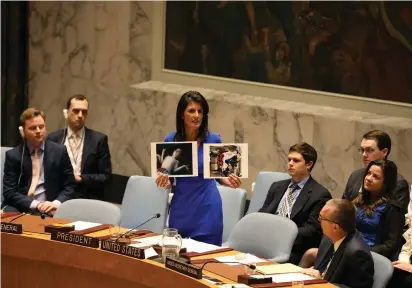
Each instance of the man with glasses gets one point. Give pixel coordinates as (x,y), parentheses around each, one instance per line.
(375,145)
(343,257)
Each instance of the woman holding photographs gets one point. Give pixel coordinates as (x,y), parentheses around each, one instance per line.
(196,208)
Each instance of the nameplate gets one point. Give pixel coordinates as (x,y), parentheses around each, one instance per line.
(75,239)
(187,269)
(123,249)
(11,228)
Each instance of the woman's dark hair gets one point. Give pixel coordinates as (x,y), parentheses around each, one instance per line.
(390,174)
(181,106)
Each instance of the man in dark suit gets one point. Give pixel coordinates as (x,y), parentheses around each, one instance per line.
(343,257)
(88,150)
(375,145)
(299,199)
(38,176)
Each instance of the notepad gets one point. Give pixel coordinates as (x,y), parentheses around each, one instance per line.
(278,268)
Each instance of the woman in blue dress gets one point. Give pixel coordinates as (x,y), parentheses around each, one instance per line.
(379,218)
(196,208)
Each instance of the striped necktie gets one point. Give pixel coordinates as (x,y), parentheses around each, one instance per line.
(287,204)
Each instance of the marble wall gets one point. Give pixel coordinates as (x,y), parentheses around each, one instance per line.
(89,47)
(101,48)
(270,127)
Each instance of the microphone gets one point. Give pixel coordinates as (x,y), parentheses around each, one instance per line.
(251,266)
(42,216)
(17,217)
(157,215)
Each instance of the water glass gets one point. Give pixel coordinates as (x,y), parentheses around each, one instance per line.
(171,243)
(114,232)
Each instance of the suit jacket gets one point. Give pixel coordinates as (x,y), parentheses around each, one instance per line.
(58,175)
(352,264)
(305,211)
(389,234)
(401,192)
(96,164)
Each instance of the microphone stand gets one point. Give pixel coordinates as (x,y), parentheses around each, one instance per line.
(127,232)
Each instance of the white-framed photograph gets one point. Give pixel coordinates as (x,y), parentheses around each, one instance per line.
(177,159)
(221,160)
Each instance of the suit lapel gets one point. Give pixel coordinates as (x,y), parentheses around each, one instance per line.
(27,165)
(86,148)
(280,191)
(62,136)
(333,267)
(47,161)
(324,252)
(303,197)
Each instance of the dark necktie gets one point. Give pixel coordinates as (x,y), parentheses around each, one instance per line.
(325,263)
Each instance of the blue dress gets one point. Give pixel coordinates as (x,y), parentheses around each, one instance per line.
(196,208)
(368,226)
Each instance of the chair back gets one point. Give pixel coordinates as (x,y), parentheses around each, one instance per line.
(233,204)
(264,235)
(89,210)
(383,270)
(263,182)
(142,200)
(3,158)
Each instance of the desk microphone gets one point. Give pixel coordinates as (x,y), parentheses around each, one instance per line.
(17,217)
(42,216)
(251,266)
(157,215)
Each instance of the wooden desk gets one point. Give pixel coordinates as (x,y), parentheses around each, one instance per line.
(33,260)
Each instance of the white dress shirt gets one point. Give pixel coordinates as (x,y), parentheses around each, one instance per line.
(75,151)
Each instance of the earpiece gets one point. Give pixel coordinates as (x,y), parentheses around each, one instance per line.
(21,131)
(65,113)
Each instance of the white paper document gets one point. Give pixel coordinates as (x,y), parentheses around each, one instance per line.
(81,225)
(139,245)
(154,240)
(196,246)
(286,277)
(278,268)
(190,244)
(150,252)
(248,259)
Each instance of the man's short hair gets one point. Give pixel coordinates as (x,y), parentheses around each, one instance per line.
(344,214)
(30,113)
(382,139)
(308,152)
(77,97)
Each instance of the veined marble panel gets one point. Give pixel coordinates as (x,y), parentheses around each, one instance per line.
(95,48)
(270,127)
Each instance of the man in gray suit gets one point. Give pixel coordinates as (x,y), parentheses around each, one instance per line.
(375,145)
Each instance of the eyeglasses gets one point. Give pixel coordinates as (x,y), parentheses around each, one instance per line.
(367,150)
(320,219)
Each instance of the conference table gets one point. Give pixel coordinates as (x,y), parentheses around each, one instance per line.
(32,259)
